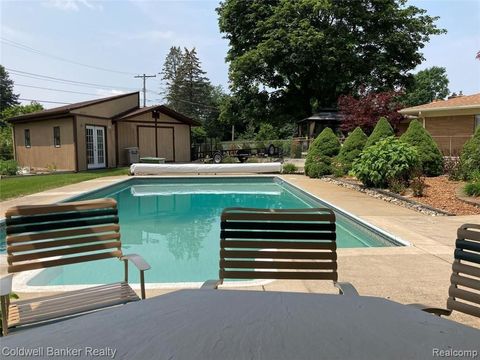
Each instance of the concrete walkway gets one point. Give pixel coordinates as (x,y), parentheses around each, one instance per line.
(418,273)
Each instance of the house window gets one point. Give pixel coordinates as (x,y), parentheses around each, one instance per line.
(56,136)
(27,138)
(477,121)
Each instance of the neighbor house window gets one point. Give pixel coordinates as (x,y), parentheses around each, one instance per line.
(477,121)
(56,136)
(27,138)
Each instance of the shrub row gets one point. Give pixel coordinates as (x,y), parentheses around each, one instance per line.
(378,160)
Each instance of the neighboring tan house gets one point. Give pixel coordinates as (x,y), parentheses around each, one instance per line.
(94,134)
(451,122)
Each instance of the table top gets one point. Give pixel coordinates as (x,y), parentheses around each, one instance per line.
(229,324)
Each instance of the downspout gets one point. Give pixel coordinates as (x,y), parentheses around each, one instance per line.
(14,143)
(75,142)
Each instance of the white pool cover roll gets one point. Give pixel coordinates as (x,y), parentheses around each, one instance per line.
(159,169)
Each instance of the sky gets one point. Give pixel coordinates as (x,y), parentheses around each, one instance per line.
(102,45)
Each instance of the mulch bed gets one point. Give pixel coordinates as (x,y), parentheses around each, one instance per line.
(441,193)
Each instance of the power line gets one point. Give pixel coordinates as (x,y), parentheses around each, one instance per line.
(61,82)
(74,82)
(59,90)
(44,101)
(39,52)
(195,103)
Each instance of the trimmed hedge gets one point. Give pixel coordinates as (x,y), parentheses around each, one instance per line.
(389,159)
(320,154)
(351,150)
(470,157)
(431,158)
(382,130)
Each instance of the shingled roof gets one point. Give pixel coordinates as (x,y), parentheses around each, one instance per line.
(459,102)
(162,108)
(67,108)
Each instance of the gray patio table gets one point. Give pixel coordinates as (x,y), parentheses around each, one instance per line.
(228,324)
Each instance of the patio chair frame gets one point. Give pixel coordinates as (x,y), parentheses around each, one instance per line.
(297,244)
(465,275)
(46,236)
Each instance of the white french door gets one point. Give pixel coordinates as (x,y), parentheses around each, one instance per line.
(95,142)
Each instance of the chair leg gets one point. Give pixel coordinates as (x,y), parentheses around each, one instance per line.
(142,284)
(4,308)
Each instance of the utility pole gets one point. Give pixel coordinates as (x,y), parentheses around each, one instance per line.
(145,87)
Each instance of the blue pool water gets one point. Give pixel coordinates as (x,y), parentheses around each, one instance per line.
(175,225)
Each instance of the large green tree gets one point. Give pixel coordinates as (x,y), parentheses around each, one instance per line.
(427,85)
(7,97)
(305,53)
(170,75)
(189,91)
(193,87)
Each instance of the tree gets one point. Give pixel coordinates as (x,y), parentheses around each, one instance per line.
(428,85)
(320,154)
(430,156)
(242,109)
(6,140)
(193,86)
(382,130)
(351,149)
(214,128)
(189,92)
(266,132)
(7,97)
(309,52)
(170,75)
(365,110)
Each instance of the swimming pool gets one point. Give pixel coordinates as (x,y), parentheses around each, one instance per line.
(174,223)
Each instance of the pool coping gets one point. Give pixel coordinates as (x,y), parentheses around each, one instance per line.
(21,279)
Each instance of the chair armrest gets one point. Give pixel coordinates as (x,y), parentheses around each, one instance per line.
(211,284)
(137,260)
(345,288)
(432,309)
(6,284)
(140,264)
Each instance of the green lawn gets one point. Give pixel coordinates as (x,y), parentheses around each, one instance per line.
(24,185)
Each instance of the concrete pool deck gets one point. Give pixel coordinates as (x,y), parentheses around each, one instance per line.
(417,273)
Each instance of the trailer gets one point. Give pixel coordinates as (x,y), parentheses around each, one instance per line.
(241,154)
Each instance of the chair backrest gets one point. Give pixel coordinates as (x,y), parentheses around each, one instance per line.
(466,272)
(60,234)
(278,244)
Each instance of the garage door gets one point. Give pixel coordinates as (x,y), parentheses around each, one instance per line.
(165,142)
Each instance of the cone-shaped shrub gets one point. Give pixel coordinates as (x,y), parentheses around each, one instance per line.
(431,158)
(387,160)
(382,130)
(470,157)
(320,153)
(351,149)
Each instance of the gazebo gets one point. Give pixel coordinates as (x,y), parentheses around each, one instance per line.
(313,125)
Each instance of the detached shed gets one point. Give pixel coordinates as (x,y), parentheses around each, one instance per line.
(94,134)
